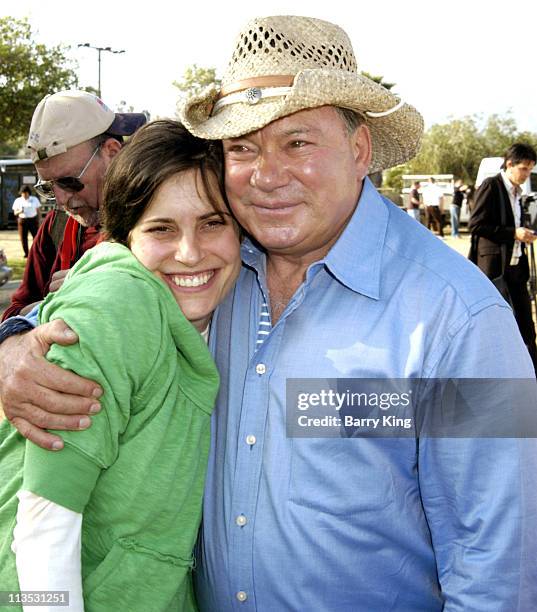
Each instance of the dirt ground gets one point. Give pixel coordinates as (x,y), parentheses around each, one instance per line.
(9,241)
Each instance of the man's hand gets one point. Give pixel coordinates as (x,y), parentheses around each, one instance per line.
(524,235)
(38,395)
(57,280)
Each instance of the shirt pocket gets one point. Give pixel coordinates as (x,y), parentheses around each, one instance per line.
(135,578)
(334,477)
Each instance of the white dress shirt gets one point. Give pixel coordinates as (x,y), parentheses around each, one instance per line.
(514,193)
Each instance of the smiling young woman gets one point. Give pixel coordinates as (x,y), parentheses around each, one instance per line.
(123,499)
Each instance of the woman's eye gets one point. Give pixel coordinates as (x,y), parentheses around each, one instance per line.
(158,229)
(214,223)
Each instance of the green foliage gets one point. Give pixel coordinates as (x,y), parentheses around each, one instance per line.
(194,79)
(90,89)
(529,138)
(498,135)
(28,71)
(393,177)
(457,147)
(8,149)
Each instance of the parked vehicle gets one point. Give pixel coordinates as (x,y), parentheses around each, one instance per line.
(444,181)
(5,271)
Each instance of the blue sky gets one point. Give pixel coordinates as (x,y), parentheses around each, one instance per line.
(447,58)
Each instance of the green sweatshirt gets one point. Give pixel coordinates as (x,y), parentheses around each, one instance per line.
(137,473)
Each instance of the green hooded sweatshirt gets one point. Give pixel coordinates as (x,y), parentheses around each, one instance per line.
(137,474)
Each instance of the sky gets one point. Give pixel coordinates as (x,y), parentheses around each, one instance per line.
(448,59)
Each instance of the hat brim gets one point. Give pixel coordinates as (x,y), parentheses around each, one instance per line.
(125,124)
(396,137)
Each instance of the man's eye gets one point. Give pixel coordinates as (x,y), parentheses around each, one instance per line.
(297,144)
(238,148)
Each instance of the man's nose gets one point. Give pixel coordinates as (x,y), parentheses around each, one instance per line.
(269,172)
(62,197)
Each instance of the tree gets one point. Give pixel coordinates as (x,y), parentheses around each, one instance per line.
(393,177)
(194,79)
(457,147)
(90,89)
(498,135)
(529,138)
(28,71)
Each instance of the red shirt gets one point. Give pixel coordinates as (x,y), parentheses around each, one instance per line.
(43,261)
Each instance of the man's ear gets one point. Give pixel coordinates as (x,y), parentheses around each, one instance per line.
(111,147)
(363,149)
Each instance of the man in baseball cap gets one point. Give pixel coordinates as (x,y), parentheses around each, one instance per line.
(73,138)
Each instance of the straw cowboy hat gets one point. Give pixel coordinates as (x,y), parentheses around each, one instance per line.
(286,64)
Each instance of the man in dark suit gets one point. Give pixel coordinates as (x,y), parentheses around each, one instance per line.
(491,228)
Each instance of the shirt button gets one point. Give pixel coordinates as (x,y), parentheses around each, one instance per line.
(260,368)
(241,596)
(250,440)
(241,520)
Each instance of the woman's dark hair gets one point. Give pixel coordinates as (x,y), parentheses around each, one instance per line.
(155,153)
(25,189)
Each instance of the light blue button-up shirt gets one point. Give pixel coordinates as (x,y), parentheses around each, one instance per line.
(366,525)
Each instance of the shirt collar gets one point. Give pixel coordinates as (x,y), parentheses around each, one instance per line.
(509,186)
(252,255)
(355,259)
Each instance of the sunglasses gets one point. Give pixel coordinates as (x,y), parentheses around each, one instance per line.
(67,183)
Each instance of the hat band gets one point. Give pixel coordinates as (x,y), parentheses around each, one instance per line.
(269,80)
(251,96)
(253,90)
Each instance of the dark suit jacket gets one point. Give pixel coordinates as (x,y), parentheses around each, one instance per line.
(488,232)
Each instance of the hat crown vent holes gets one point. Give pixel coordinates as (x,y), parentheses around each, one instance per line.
(266,40)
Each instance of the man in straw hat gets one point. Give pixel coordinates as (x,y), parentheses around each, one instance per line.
(340,287)
(73,138)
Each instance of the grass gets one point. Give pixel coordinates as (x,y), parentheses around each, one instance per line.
(18,267)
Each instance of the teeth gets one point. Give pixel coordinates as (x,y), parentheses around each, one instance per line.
(196,280)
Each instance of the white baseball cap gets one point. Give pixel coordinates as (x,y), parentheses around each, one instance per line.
(68,118)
